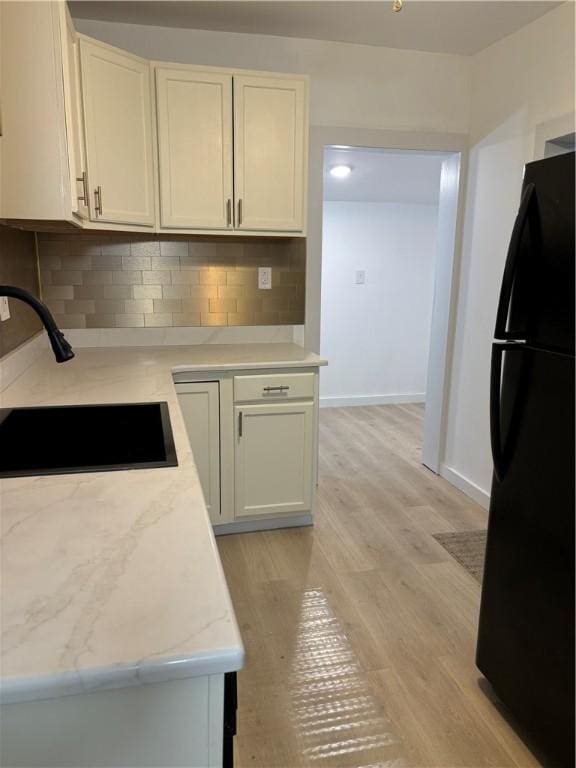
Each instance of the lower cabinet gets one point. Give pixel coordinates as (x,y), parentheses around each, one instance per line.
(181,723)
(255,444)
(273,459)
(200,405)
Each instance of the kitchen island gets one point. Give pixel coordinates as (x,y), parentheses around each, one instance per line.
(117,624)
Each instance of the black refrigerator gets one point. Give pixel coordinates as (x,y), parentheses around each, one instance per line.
(526,628)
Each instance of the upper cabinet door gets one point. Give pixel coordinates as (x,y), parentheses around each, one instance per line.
(118,121)
(35,181)
(270,128)
(74,123)
(195,148)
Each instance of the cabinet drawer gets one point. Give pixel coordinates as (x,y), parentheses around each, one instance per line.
(274,386)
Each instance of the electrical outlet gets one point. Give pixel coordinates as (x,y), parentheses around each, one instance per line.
(4,308)
(265,277)
(360,277)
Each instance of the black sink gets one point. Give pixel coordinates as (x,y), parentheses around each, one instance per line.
(55,440)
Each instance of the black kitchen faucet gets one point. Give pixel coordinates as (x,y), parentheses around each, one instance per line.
(61,348)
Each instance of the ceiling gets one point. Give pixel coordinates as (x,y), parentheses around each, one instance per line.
(383,176)
(460,26)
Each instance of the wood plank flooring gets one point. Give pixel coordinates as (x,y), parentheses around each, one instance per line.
(360,632)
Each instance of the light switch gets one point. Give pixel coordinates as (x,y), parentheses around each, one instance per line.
(4,308)
(265,277)
(360,277)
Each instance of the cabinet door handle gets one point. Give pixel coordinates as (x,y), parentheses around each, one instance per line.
(85,197)
(282,388)
(98,201)
(240,424)
(240,212)
(229,212)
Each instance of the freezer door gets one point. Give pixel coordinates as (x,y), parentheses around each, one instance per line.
(526,630)
(537,296)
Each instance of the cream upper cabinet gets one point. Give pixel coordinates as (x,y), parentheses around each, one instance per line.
(74,121)
(118,124)
(274,452)
(194,110)
(89,139)
(270,141)
(40,147)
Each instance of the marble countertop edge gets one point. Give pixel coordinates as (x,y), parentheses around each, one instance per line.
(149,672)
(313,362)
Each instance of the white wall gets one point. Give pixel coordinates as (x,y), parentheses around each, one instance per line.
(357,85)
(376,336)
(522,81)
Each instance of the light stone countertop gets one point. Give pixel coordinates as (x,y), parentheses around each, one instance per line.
(113,579)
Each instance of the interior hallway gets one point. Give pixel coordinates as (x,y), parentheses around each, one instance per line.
(360,632)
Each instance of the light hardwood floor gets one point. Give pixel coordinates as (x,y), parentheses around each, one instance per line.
(360,632)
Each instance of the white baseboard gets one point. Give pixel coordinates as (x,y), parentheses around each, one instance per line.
(339,402)
(153,337)
(479,495)
(16,362)
(248,526)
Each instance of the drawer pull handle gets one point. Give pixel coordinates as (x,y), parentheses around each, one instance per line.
(282,388)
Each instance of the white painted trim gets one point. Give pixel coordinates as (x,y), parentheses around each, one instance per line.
(442,312)
(465,485)
(16,362)
(344,401)
(189,336)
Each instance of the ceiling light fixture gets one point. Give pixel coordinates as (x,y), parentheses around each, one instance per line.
(397,5)
(340,171)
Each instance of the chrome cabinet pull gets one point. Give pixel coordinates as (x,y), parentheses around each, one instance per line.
(98,200)
(282,388)
(240,424)
(229,212)
(239,212)
(84,198)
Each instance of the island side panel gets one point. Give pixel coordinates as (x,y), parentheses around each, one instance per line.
(177,723)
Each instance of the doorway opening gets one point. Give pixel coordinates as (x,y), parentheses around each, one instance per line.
(388,237)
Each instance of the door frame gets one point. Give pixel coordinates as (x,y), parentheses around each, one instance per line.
(450,215)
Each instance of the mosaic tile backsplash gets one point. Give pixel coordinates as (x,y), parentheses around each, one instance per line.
(131,282)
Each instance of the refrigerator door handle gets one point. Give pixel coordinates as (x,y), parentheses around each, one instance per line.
(503,449)
(495,415)
(500,331)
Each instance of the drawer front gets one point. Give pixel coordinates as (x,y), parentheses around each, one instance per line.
(274,386)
